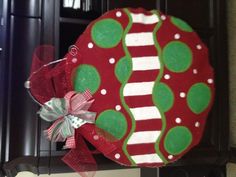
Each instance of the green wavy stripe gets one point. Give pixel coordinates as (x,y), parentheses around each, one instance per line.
(122,88)
(157,81)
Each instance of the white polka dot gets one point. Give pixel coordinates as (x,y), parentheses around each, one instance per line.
(27,84)
(170,157)
(118,14)
(95,137)
(90,45)
(199,47)
(182,94)
(178,120)
(167,76)
(210,81)
(177,36)
(163,17)
(112,60)
(74,60)
(117,156)
(195,71)
(103,91)
(118,107)
(197,124)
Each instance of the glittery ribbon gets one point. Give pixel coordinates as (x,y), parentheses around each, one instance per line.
(68,114)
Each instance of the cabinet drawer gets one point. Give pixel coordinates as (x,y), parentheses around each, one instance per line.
(30,8)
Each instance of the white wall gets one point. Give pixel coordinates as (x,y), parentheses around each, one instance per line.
(231,168)
(107,173)
(232,65)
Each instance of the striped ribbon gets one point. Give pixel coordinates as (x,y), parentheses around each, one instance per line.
(67,114)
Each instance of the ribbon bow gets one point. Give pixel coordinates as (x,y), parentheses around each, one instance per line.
(68,114)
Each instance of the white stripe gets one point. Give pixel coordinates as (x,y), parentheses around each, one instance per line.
(147,158)
(144,19)
(145,63)
(139,39)
(138,88)
(144,137)
(144,113)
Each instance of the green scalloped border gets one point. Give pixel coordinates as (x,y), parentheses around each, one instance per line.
(122,88)
(157,81)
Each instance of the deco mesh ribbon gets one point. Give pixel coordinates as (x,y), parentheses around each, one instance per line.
(47,86)
(47,78)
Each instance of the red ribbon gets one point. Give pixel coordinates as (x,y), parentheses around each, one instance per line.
(81,158)
(50,82)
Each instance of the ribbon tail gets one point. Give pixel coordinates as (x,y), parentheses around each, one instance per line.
(81,159)
(89,117)
(82,106)
(53,132)
(70,143)
(80,102)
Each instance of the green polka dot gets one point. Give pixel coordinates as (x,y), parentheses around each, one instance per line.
(123,69)
(163,97)
(181,24)
(177,56)
(113,122)
(107,33)
(198,97)
(177,140)
(86,77)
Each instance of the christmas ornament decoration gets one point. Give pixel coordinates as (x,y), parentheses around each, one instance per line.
(151,82)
